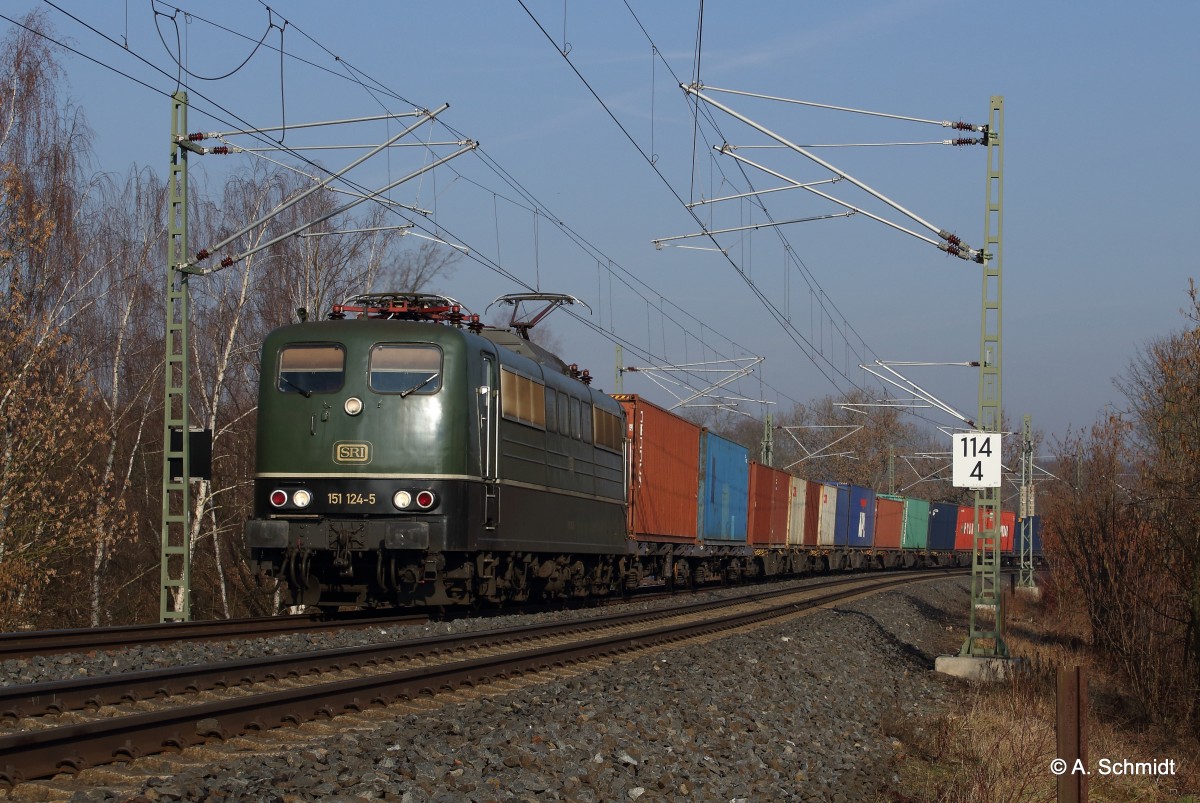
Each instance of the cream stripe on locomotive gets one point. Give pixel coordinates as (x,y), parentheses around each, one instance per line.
(506,483)
(355,475)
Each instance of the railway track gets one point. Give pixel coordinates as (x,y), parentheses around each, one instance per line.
(72,725)
(22,645)
(50,642)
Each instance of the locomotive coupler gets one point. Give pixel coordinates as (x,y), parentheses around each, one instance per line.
(434,563)
(340,542)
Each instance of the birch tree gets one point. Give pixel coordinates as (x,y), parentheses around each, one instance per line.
(126,361)
(48,438)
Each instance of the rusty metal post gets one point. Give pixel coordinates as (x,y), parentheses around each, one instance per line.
(1071,709)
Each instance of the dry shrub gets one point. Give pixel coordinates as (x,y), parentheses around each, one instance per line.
(997,746)
(987,751)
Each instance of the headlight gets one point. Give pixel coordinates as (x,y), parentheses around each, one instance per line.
(353,405)
(301,498)
(402,499)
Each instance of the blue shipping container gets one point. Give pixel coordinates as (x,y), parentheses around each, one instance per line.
(841,527)
(1036,526)
(724,489)
(943,524)
(860,516)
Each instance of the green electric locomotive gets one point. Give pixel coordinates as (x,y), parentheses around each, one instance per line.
(408,455)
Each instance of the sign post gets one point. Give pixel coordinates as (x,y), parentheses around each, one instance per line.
(976,460)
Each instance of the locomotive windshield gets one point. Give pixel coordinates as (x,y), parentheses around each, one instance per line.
(406,368)
(311,368)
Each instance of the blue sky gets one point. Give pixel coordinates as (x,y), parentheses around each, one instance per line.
(1100,111)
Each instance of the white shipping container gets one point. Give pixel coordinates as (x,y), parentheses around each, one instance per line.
(827,519)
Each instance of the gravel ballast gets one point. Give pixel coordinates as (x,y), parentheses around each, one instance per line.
(789,711)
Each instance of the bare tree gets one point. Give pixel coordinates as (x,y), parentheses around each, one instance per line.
(416,268)
(324,264)
(48,438)
(833,439)
(1162,386)
(1121,527)
(225,340)
(125,358)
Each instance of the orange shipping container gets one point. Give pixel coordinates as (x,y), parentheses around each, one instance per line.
(664,472)
(770,495)
(889,523)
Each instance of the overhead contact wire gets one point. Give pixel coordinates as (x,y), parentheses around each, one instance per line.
(791,333)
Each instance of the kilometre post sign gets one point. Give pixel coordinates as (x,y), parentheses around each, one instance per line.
(976,460)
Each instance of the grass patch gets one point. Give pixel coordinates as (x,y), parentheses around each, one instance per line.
(997,745)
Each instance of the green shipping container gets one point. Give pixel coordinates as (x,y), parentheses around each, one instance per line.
(916,522)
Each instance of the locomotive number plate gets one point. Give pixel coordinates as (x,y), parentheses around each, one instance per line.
(349,498)
(353,452)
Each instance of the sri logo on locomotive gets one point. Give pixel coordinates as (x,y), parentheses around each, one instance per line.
(354,452)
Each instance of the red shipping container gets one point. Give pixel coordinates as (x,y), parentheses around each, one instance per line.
(964,536)
(1008,528)
(770,495)
(812,512)
(889,523)
(664,472)
(964,533)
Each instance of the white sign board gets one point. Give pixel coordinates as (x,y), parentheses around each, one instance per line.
(976,460)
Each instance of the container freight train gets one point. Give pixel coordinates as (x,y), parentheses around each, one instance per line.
(408,455)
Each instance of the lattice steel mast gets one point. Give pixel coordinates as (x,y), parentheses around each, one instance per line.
(175,560)
(1026,579)
(986,593)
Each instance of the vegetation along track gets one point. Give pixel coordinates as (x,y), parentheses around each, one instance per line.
(321,684)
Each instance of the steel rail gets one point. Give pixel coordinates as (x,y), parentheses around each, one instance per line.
(49,642)
(42,753)
(54,697)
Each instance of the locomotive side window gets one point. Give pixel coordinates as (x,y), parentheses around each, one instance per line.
(564,414)
(406,368)
(576,412)
(586,420)
(522,399)
(551,410)
(310,369)
(608,429)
